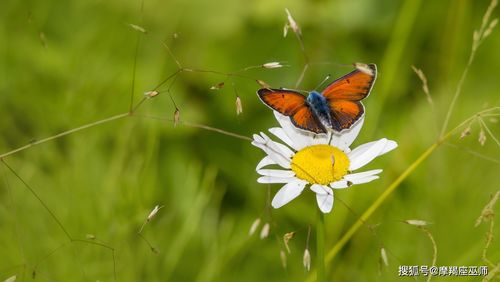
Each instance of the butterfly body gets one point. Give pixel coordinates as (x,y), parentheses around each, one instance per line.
(336,108)
(319,106)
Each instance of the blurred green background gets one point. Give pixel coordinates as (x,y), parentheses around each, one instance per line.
(68,63)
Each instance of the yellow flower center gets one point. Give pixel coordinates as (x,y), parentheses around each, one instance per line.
(320,164)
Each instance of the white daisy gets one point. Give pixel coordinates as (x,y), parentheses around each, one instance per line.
(319,160)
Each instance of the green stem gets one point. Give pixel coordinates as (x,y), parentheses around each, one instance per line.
(364,217)
(395,184)
(320,247)
(67,132)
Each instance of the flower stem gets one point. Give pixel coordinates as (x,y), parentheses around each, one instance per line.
(320,247)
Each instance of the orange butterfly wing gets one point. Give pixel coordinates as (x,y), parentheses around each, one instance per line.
(353,86)
(344,94)
(345,113)
(305,119)
(292,104)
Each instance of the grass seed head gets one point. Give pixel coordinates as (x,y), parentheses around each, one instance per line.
(262,83)
(272,65)
(482,137)
(138,28)
(217,86)
(239,107)
(151,94)
(254,227)
(286,238)
(383,256)
(285,29)
(416,222)
(177,115)
(292,23)
(306,259)
(264,232)
(364,68)
(154,212)
(465,132)
(283,258)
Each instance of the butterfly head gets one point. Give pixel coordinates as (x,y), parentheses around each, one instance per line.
(315,99)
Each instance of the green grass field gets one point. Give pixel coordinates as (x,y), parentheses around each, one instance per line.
(71,207)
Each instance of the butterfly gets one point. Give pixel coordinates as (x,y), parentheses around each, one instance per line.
(337,107)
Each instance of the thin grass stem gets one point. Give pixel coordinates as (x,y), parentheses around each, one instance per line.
(67,132)
(320,247)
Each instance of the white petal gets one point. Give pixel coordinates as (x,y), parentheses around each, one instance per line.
(280,133)
(344,140)
(257,138)
(391,145)
(273,155)
(356,178)
(320,189)
(301,138)
(336,141)
(276,172)
(290,131)
(365,179)
(265,162)
(324,197)
(287,193)
(319,139)
(353,176)
(283,148)
(366,153)
(273,179)
(314,139)
(325,202)
(272,150)
(341,184)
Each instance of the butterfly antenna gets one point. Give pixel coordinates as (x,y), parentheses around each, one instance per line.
(323,81)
